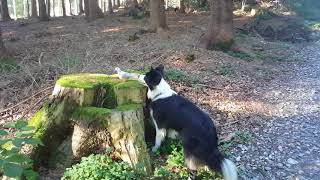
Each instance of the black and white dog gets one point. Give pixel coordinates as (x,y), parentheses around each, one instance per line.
(170,111)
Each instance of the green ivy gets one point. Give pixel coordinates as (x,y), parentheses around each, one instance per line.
(13,163)
(102,167)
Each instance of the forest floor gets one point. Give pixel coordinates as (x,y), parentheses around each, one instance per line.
(268,97)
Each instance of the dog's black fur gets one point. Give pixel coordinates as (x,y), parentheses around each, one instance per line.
(195,127)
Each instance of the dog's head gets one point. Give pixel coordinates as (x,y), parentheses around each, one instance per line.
(154,76)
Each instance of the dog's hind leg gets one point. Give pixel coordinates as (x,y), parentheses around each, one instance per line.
(160,135)
(192,165)
(172,134)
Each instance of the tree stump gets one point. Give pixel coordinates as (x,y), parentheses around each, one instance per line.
(89,113)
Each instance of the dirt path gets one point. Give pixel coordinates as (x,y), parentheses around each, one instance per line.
(287,145)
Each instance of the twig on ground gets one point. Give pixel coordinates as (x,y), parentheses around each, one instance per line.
(230,123)
(40,58)
(9,108)
(34,105)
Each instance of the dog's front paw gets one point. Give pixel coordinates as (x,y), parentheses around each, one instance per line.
(154,149)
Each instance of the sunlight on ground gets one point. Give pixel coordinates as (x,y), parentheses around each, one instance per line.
(185,22)
(292,106)
(10,33)
(116,29)
(57,27)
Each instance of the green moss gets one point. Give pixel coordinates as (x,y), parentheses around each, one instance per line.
(87,81)
(90,113)
(38,122)
(8,64)
(127,107)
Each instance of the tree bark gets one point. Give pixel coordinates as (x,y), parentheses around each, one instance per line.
(63,8)
(220,30)
(54,8)
(243,5)
(110,9)
(182,8)
(157,15)
(14,7)
(4,11)
(70,7)
(3,51)
(94,10)
(135,3)
(43,11)
(34,11)
(28,9)
(86,7)
(48,7)
(81,11)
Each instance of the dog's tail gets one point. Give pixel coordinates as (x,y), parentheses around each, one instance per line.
(229,170)
(219,163)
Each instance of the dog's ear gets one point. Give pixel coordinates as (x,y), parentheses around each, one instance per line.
(160,68)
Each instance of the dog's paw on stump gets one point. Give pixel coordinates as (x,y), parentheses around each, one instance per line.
(87,113)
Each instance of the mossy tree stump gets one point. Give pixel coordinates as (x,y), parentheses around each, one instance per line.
(88,113)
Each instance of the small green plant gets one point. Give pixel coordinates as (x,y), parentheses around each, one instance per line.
(240,55)
(242,137)
(13,163)
(239,137)
(265,56)
(175,167)
(102,167)
(8,65)
(223,46)
(133,37)
(315,26)
(264,14)
(70,61)
(169,145)
(179,76)
(190,58)
(225,70)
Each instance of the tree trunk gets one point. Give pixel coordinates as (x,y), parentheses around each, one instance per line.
(43,11)
(157,15)
(14,7)
(220,30)
(63,8)
(81,11)
(70,7)
(110,9)
(118,3)
(182,8)
(94,10)
(4,11)
(243,5)
(3,51)
(54,8)
(34,11)
(86,7)
(48,7)
(106,112)
(135,3)
(28,9)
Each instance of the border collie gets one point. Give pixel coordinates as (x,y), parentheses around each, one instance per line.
(169,111)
